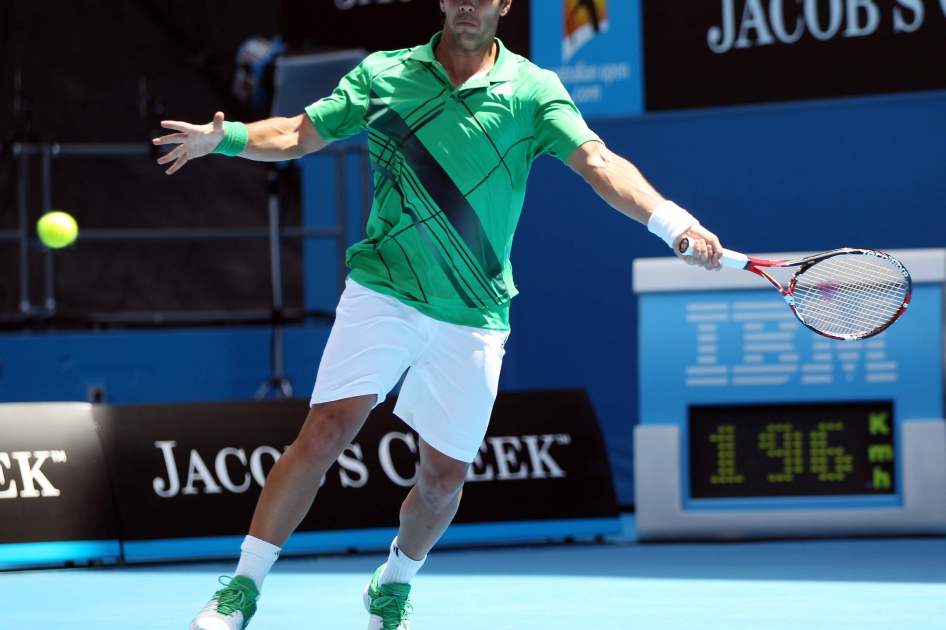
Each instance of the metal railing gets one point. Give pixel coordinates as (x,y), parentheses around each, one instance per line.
(275,317)
(30,310)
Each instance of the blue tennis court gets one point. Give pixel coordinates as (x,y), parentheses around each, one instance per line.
(864,584)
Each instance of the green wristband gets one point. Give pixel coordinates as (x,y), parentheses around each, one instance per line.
(235,137)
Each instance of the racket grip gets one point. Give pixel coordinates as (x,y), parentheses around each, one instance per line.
(729,259)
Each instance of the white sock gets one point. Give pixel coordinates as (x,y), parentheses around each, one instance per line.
(256,560)
(400,569)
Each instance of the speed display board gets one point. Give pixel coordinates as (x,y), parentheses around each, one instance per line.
(752,426)
(792,450)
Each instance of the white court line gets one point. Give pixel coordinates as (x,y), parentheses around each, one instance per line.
(708,317)
(741,317)
(769,336)
(707,382)
(768,347)
(760,306)
(707,306)
(764,369)
(760,380)
(704,370)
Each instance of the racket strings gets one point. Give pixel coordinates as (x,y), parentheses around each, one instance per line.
(849,299)
(850,295)
(852,306)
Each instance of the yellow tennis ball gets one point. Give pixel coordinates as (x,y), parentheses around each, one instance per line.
(57,229)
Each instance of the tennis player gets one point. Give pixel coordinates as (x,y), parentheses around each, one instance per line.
(453,127)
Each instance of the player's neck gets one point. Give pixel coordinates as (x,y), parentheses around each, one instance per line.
(460,62)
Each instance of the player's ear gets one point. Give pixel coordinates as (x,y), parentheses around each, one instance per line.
(507,4)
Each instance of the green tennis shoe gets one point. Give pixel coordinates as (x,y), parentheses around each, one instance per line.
(388,605)
(231,608)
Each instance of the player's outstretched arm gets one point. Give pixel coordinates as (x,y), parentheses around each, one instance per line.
(619,183)
(269,140)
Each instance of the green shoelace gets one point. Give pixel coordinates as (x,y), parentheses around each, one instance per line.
(393,609)
(232,597)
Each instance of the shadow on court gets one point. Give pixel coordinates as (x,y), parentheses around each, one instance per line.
(918,560)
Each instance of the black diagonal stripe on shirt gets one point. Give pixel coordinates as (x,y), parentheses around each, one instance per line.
(439,185)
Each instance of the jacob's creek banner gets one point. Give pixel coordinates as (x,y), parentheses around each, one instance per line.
(594,47)
(197,470)
(55,498)
(704,53)
(182,480)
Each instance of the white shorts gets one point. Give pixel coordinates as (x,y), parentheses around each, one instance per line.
(448,393)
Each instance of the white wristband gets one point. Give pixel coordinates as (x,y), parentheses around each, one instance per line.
(669,221)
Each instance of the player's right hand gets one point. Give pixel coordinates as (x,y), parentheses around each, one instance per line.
(195,140)
(707,250)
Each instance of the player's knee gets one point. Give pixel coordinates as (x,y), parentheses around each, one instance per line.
(441,487)
(323,436)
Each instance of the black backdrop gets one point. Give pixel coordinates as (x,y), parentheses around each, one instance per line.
(681,71)
(543,458)
(374,25)
(65,494)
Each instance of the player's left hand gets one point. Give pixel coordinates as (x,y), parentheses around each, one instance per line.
(707,251)
(195,141)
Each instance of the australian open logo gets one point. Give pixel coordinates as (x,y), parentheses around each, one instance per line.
(584,19)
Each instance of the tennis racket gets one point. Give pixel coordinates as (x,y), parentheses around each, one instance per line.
(845,294)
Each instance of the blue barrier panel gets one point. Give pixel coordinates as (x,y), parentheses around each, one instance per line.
(29,554)
(371,539)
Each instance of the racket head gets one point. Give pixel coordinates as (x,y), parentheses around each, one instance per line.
(849,294)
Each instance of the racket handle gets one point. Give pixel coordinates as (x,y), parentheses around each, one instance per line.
(729,259)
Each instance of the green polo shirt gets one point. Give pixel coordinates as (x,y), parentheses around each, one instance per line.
(450,169)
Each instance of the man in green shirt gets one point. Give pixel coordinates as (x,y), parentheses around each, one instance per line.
(453,127)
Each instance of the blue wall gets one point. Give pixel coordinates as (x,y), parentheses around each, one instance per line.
(154,366)
(867,172)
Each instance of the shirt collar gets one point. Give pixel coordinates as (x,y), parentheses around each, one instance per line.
(506,67)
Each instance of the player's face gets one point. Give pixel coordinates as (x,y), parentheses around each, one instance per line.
(473,23)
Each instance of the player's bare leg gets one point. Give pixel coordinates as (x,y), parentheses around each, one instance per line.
(432,502)
(287,496)
(425,515)
(292,484)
